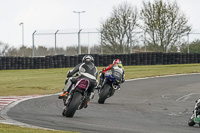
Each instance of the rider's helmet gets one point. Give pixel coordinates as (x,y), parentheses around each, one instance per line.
(87,58)
(198,104)
(117,61)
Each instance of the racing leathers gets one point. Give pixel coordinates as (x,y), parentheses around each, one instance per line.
(196,110)
(85,70)
(104,70)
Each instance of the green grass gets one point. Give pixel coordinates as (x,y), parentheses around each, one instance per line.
(4,128)
(50,81)
(160,70)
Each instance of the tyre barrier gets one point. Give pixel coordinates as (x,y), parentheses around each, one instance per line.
(61,61)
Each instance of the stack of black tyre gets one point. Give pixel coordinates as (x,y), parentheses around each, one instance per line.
(61,61)
(144,58)
(67,61)
(137,59)
(198,58)
(71,58)
(96,59)
(101,60)
(105,60)
(159,58)
(47,62)
(1,63)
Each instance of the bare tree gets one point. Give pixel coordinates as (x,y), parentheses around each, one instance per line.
(12,52)
(3,48)
(116,30)
(41,51)
(164,24)
(71,50)
(24,51)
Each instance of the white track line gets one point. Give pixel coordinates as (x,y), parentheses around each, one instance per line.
(185,97)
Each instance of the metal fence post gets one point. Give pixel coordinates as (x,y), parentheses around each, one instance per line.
(33,43)
(79,41)
(188,49)
(55,42)
(101,44)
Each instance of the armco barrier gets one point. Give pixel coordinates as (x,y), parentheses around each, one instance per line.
(61,61)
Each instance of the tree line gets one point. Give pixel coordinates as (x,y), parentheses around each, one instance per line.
(163,25)
(24,51)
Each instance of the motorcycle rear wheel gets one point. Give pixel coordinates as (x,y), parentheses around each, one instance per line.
(73,105)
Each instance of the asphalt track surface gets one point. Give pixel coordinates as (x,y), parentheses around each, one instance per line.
(154,105)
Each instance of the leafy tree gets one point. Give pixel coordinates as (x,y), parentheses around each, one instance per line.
(164,24)
(115,31)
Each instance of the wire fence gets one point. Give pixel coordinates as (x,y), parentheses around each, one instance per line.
(66,38)
(91,37)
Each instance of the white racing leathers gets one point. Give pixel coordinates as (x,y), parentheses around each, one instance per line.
(196,109)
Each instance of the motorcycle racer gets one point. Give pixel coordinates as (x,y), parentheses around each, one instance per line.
(196,110)
(87,70)
(195,118)
(116,63)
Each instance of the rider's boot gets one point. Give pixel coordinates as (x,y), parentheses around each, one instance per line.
(91,96)
(87,104)
(64,95)
(100,84)
(66,91)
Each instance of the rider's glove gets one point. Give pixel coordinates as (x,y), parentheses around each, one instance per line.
(69,73)
(60,97)
(103,70)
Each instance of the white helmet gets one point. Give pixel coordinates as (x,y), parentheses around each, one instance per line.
(117,61)
(88,58)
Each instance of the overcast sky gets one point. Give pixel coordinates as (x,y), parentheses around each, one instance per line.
(58,15)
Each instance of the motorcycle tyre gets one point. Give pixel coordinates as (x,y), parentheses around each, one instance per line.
(73,105)
(103,95)
(191,123)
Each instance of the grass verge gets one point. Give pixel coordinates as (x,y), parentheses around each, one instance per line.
(48,81)
(4,128)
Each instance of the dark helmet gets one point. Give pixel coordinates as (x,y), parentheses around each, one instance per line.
(117,61)
(88,58)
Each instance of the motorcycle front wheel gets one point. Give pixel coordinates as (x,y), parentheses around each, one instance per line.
(191,123)
(73,105)
(103,95)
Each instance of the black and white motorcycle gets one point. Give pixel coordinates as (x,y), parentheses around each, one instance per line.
(195,118)
(78,97)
